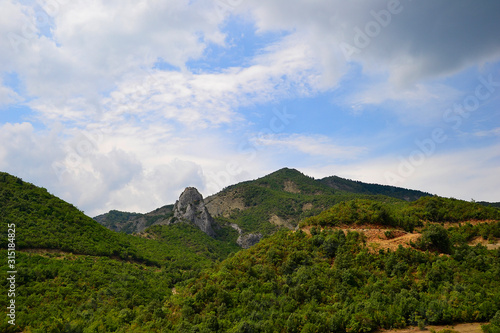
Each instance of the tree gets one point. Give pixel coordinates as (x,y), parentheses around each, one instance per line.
(435,238)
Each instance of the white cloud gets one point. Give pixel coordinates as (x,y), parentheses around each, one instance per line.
(123,167)
(416,40)
(131,137)
(8,96)
(313,145)
(200,100)
(466,174)
(424,104)
(492,132)
(94,43)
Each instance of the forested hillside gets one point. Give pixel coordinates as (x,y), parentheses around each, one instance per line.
(44,221)
(331,282)
(280,200)
(134,222)
(265,205)
(404,215)
(74,275)
(374,189)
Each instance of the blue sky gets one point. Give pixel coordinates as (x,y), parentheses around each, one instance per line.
(121,104)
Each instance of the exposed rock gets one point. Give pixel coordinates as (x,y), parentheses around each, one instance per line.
(236,227)
(307,206)
(291,187)
(224,203)
(191,208)
(276,220)
(245,241)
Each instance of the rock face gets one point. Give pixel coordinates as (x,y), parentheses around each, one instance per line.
(248,240)
(191,208)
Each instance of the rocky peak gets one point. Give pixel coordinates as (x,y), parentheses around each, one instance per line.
(191,208)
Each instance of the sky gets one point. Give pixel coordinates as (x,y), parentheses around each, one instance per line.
(118,104)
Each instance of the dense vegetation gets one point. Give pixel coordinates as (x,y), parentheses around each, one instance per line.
(74,275)
(78,274)
(78,293)
(288,194)
(44,221)
(129,222)
(330,282)
(401,214)
(374,189)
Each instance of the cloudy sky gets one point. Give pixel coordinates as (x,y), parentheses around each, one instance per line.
(118,104)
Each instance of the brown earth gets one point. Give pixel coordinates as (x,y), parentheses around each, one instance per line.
(485,242)
(461,328)
(376,238)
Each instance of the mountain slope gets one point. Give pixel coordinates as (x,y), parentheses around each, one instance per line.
(74,273)
(402,214)
(374,189)
(286,195)
(278,200)
(134,222)
(44,221)
(332,282)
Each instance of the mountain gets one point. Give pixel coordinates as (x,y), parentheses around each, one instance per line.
(363,263)
(189,208)
(374,189)
(134,222)
(260,207)
(78,274)
(493,204)
(283,198)
(45,222)
(332,281)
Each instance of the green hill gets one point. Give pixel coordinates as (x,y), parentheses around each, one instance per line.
(402,214)
(44,221)
(134,222)
(265,205)
(279,200)
(74,274)
(331,282)
(374,189)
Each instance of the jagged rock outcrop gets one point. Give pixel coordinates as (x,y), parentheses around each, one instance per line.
(191,208)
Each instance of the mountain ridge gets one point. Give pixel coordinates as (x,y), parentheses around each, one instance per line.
(236,198)
(324,276)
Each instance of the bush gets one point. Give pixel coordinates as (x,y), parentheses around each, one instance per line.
(435,238)
(494,325)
